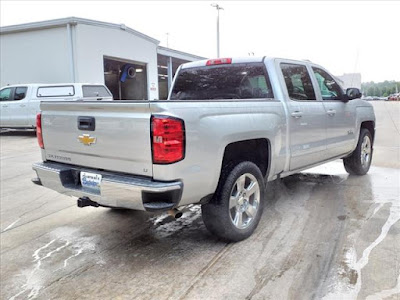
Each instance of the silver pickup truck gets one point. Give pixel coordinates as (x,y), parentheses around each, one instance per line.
(228,127)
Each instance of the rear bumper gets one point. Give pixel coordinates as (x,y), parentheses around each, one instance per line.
(116,190)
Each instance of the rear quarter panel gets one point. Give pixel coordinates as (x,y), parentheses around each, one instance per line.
(212,125)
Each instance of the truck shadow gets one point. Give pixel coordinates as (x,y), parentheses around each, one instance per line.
(190,227)
(162,234)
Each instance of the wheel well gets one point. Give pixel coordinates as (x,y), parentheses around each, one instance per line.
(370,125)
(256,151)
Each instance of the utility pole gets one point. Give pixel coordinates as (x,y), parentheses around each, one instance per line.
(218,9)
(167,39)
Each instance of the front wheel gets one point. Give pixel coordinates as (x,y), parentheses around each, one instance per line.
(236,208)
(359,162)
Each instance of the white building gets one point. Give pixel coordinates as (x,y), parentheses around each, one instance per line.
(82,50)
(350,80)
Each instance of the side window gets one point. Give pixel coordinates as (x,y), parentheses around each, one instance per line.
(95,91)
(20,93)
(5,94)
(298,82)
(56,91)
(330,90)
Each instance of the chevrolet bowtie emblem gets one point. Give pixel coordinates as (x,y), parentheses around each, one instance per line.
(86,139)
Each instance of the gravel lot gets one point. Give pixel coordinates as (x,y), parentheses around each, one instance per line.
(324,235)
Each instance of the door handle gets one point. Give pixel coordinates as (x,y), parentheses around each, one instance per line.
(22,105)
(86,123)
(297,114)
(331,112)
(5,105)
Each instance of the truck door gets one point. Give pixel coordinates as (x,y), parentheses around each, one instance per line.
(6,95)
(307,117)
(18,107)
(340,116)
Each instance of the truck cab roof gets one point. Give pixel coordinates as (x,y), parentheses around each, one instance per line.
(50,84)
(238,60)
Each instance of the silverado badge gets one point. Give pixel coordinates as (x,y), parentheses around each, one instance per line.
(86,139)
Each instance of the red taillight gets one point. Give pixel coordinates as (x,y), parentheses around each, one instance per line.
(168,139)
(219,61)
(39,130)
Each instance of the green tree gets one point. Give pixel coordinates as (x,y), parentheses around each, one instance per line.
(370,91)
(380,88)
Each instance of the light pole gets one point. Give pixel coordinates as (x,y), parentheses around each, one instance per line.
(218,9)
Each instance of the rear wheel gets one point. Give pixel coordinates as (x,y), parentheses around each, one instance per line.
(236,208)
(359,162)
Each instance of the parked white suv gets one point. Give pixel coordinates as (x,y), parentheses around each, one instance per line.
(21,103)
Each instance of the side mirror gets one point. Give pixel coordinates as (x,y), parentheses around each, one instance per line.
(353,93)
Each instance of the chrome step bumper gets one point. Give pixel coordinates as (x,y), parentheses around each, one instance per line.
(116,190)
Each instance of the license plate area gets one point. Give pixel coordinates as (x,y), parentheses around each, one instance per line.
(91,181)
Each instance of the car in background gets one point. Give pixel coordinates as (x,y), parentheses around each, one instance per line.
(394,97)
(21,103)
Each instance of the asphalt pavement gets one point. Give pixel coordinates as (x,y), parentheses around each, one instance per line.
(324,235)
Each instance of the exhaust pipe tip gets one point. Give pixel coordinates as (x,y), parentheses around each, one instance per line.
(85,201)
(175,213)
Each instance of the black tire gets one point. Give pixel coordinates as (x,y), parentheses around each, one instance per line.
(217,216)
(354,164)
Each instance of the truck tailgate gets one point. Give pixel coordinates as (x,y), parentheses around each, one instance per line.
(119,141)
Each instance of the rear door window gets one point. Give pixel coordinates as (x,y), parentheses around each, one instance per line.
(5,94)
(95,91)
(228,81)
(56,91)
(20,92)
(298,82)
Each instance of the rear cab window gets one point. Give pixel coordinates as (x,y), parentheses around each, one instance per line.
(298,82)
(97,91)
(56,91)
(225,81)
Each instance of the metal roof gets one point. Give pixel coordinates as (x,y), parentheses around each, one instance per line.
(177,54)
(71,21)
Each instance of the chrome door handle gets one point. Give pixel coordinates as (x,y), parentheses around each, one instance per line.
(331,112)
(22,105)
(297,114)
